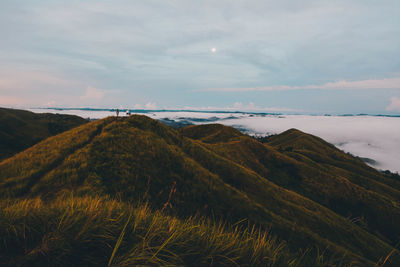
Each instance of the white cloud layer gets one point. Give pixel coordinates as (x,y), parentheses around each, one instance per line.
(365,136)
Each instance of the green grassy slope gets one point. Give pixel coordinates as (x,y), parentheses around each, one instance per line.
(20,129)
(344,183)
(316,169)
(222,174)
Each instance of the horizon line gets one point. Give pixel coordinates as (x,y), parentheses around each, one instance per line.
(219,111)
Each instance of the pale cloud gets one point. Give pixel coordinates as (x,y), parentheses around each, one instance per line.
(51,103)
(67,45)
(394,105)
(389,83)
(239,106)
(28,80)
(21,87)
(150,105)
(7,101)
(92,93)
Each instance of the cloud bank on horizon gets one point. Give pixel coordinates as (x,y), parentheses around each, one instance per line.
(314,56)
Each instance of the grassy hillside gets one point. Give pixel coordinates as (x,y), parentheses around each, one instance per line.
(344,183)
(317,170)
(20,129)
(98,232)
(214,172)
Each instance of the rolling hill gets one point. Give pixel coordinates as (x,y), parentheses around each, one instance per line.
(319,171)
(20,129)
(300,188)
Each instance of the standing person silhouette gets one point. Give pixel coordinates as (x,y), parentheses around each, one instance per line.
(117,112)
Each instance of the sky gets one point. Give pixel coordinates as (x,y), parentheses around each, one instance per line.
(309,56)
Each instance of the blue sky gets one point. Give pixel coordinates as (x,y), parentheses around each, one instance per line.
(290,56)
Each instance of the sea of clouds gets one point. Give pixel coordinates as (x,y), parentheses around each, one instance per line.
(373,137)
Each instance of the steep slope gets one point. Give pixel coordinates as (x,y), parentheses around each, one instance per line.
(350,187)
(139,159)
(20,129)
(317,170)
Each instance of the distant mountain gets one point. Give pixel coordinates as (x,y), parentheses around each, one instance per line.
(20,129)
(302,188)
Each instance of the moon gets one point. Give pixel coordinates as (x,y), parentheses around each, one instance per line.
(213,50)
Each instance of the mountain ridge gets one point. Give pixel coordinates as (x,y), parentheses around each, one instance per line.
(129,156)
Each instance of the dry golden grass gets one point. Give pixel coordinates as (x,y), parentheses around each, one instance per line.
(98,231)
